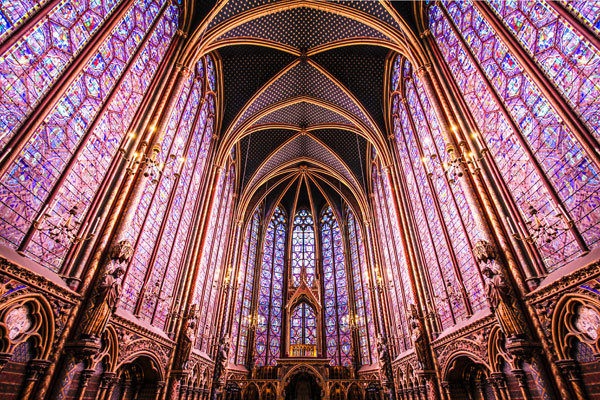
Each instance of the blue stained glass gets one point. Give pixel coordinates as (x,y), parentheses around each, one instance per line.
(268,332)
(337,318)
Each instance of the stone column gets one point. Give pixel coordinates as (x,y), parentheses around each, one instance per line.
(84,381)
(521,377)
(160,387)
(499,382)
(570,369)
(108,380)
(35,370)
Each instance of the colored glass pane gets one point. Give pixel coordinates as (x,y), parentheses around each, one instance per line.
(303,248)
(270,294)
(501,98)
(362,298)
(303,325)
(33,63)
(335,284)
(245,282)
(76,127)
(568,59)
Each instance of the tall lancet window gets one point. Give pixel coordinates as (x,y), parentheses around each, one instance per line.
(520,109)
(270,295)
(395,267)
(245,282)
(303,325)
(303,248)
(68,149)
(163,219)
(362,298)
(335,287)
(443,219)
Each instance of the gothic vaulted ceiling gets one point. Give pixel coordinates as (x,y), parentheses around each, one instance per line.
(303,83)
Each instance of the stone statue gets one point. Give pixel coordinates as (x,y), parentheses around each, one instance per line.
(189,337)
(502,304)
(384,358)
(103,303)
(418,339)
(223,355)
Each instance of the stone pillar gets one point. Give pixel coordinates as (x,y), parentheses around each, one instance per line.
(35,370)
(499,382)
(521,377)
(160,387)
(446,387)
(84,381)
(570,369)
(108,380)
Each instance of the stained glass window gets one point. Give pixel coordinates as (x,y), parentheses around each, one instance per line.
(211,263)
(162,221)
(303,248)
(81,133)
(303,325)
(245,282)
(439,205)
(395,270)
(335,284)
(33,63)
(531,147)
(270,295)
(362,297)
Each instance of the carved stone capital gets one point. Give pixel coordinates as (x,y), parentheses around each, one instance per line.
(484,252)
(121,252)
(36,369)
(569,368)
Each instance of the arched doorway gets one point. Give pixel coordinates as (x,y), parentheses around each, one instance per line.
(138,379)
(303,386)
(467,379)
(251,393)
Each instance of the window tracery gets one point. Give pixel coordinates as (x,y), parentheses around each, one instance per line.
(303,248)
(540,159)
(335,288)
(270,295)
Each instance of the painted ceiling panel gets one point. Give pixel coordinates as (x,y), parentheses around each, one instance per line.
(299,147)
(303,79)
(303,28)
(303,114)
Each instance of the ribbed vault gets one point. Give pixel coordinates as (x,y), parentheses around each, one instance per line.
(304,85)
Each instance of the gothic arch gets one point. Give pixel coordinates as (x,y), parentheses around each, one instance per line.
(576,318)
(301,368)
(27,318)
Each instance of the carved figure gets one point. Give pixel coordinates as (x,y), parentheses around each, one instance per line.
(501,303)
(384,358)
(189,337)
(103,303)
(223,356)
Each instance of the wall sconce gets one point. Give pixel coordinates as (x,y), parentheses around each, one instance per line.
(68,229)
(254,320)
(153,169)
(457,160)
(155,292)
(353,321)
(541,230)
(451,296)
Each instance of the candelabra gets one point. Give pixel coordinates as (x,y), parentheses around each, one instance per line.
(457,161)
(353,321)
(153,168)
(254,320)
(452,295)
(539,228)
(68,228)
(154,291)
